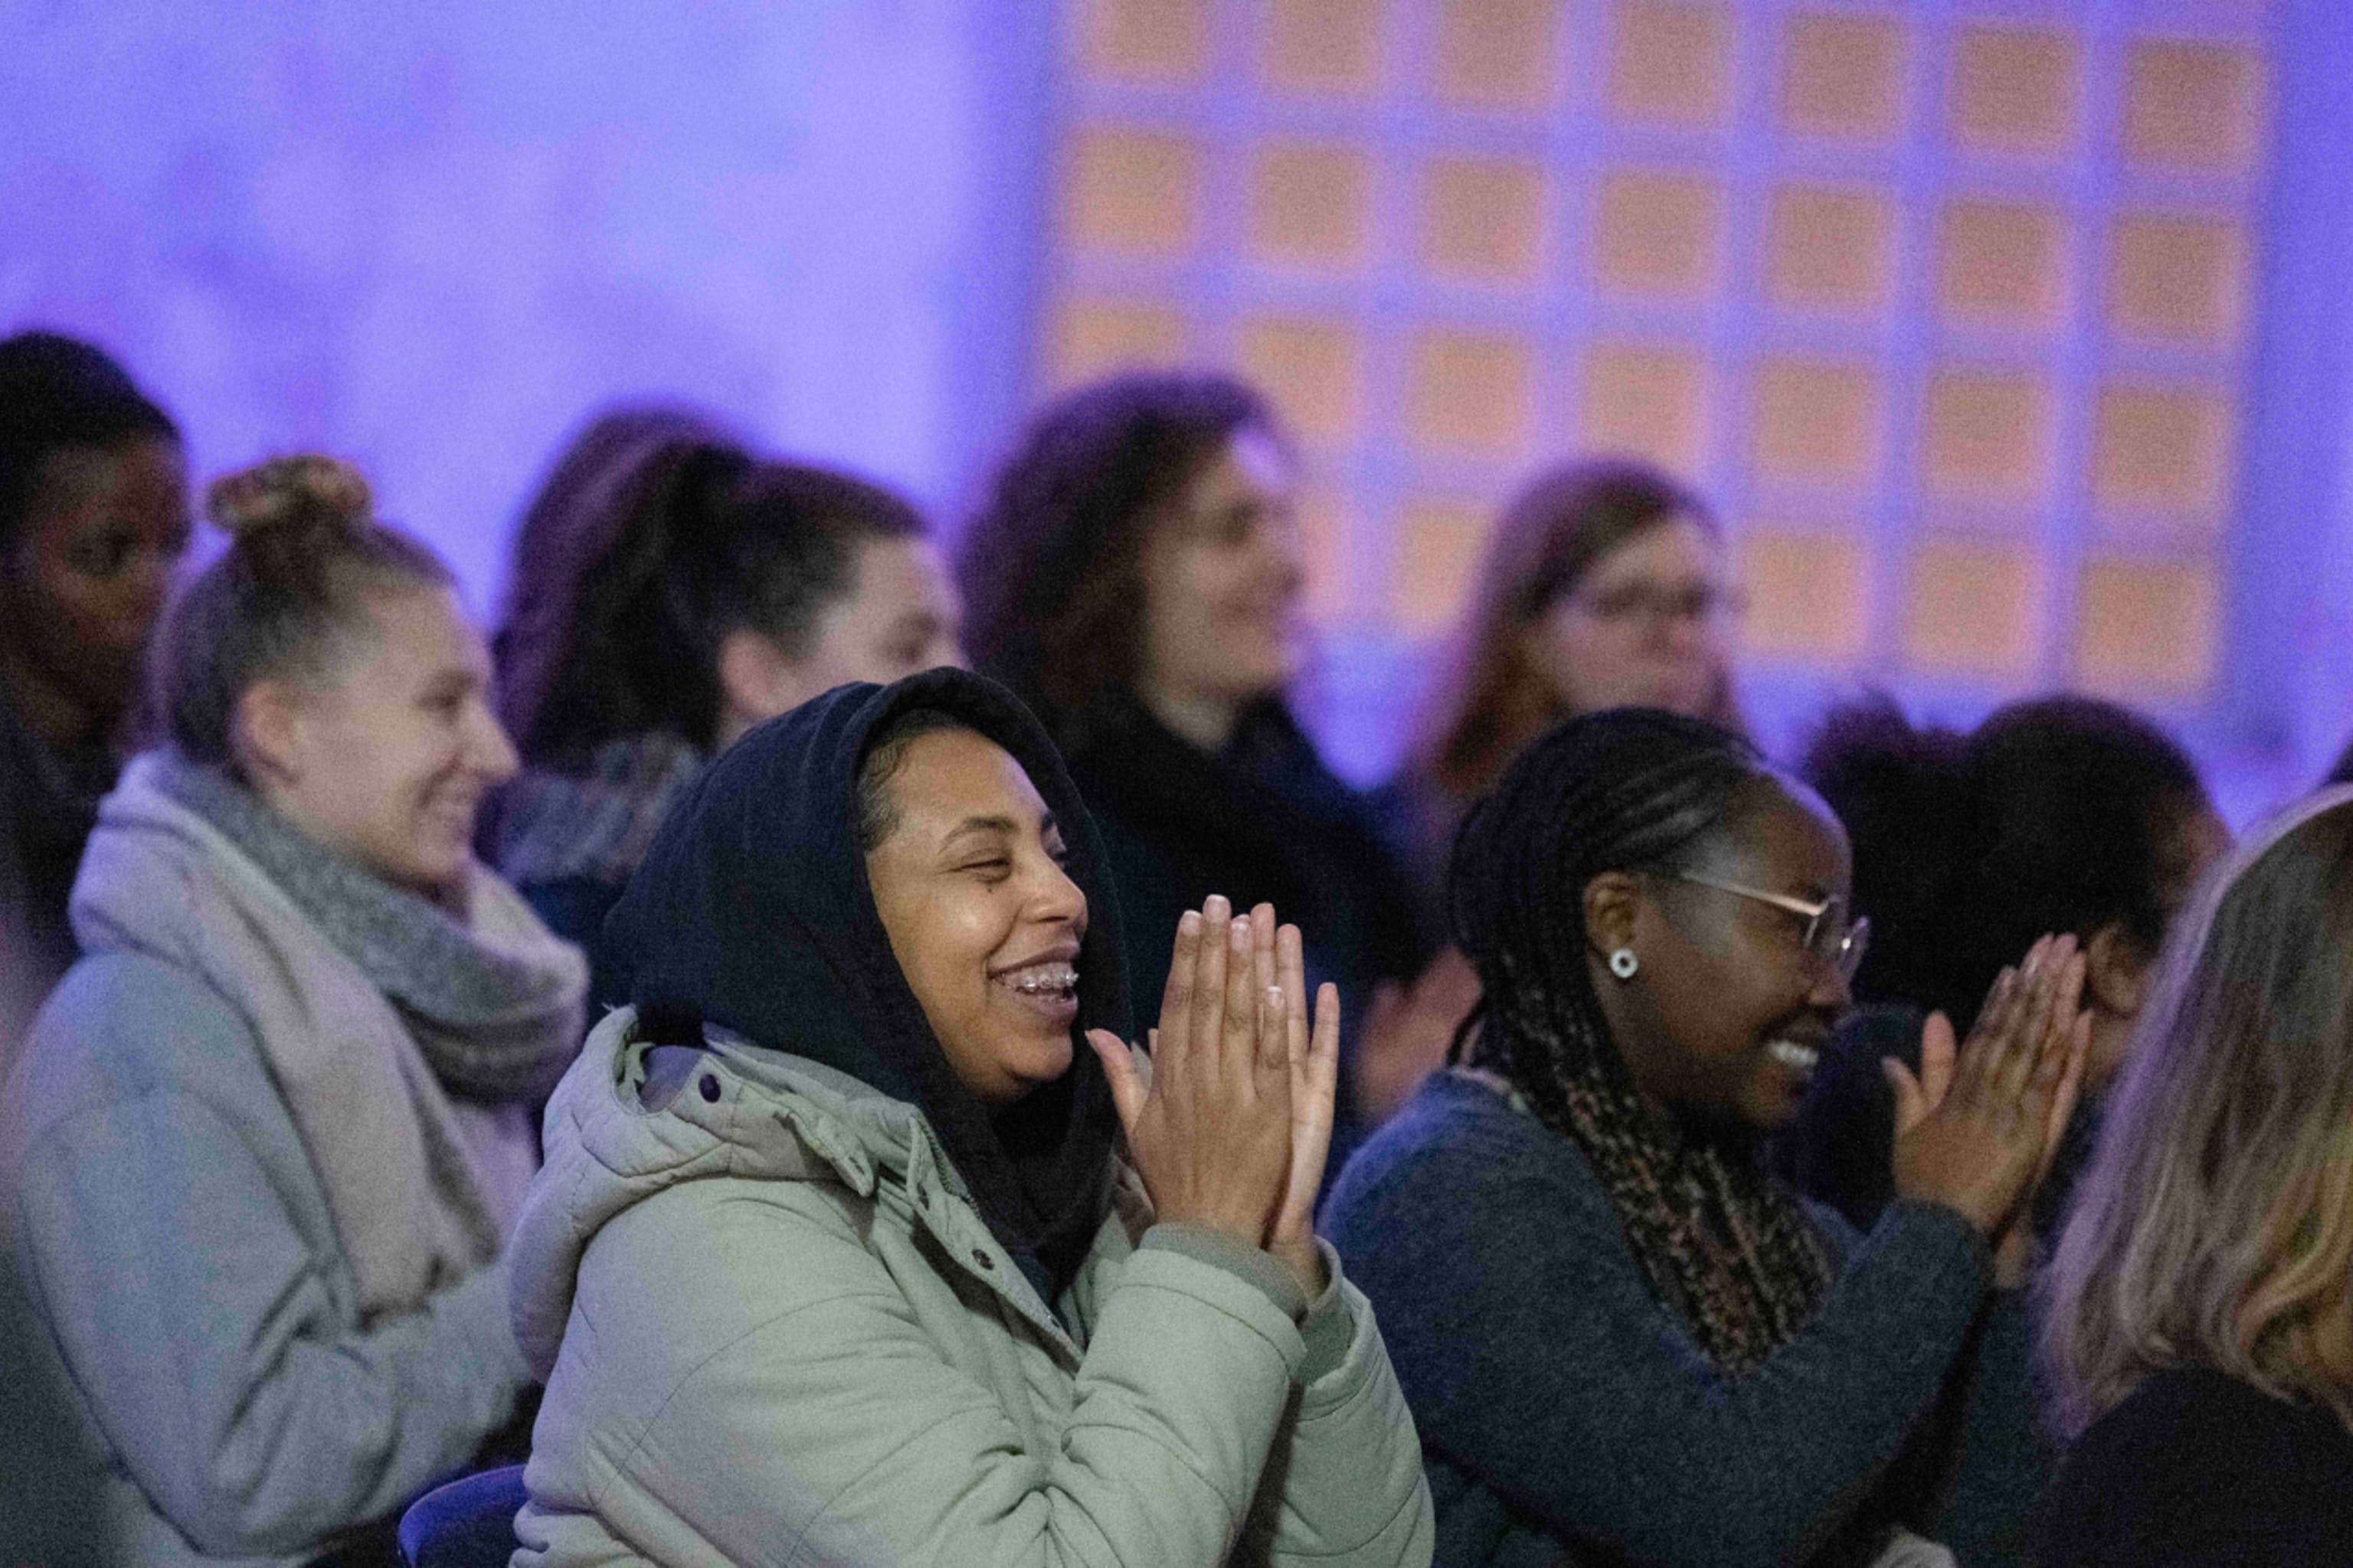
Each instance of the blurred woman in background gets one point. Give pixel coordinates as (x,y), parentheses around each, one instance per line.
(1606,585)
(2198,1325)
(93,519)
(270,1131)
(1135,575)
(667,593)
(2055,814)
(1619,1334)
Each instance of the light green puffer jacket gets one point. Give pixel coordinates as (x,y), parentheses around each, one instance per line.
(776,1330)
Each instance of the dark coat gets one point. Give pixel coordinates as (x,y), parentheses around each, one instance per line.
(2196,1470)
(1265,820)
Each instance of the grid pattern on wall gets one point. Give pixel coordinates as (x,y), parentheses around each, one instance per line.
(1945,305)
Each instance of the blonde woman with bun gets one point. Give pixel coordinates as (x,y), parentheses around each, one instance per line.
(272,1127)
(2198,1326)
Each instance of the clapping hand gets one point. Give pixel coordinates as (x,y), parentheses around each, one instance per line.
(1977,1128)
(1231,1121)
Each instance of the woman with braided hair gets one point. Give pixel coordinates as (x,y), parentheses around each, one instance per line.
(1621,1338)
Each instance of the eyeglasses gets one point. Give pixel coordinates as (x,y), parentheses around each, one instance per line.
(1651,605)
(1830,937)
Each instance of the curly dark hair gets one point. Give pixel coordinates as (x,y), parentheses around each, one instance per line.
(1051,566)
(2061,813)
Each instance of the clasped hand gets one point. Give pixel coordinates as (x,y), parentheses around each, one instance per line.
(1977,1128)
(1230,1120)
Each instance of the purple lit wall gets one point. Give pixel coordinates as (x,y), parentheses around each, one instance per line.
(431,236)
(2003,334)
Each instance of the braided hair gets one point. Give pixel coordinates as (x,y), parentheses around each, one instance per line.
(1729,1249)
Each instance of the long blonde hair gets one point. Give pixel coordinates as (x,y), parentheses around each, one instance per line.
(2215,1225)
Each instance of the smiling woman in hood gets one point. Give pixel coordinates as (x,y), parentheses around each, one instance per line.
(835,1256)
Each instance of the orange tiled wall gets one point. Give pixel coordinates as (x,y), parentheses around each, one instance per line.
(1945,304)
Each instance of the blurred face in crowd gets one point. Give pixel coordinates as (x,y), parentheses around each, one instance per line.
(2119,969)
(1730,1007)
(1647,626)
(386,756)
(1223,573)
(983,919)
(86,576)
(900,616)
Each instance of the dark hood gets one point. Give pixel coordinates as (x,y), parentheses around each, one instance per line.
(752,911)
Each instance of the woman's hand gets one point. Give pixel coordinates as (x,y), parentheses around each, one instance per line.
(1977,1130)
(1406,1033)
(1313,1051)
(1211,1132)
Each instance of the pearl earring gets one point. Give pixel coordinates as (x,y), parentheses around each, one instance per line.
(1623,963)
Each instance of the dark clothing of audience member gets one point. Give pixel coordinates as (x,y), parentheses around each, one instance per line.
(1559,1400)
(2196,1470)
(49,803)
(1261,820)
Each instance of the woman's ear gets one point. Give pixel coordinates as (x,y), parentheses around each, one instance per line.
(266,734)
(2117,971)
(1611,900)
(757,680)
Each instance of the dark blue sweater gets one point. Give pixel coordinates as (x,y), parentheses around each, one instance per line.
(1562,1406)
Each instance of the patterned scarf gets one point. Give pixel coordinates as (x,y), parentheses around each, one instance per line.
(1729,1249)
(594,824)
(493,1000)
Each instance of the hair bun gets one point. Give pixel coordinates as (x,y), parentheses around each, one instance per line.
(306,489)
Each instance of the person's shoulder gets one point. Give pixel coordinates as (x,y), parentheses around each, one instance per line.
(1458,1109)
(2186,1410)
(138,1022)
(2194,1455)
(1459,1137)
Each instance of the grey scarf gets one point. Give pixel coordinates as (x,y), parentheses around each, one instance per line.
(497,1014)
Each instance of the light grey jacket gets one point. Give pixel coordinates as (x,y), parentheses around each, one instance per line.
(178,1245)
(177,1237)
(779,1331)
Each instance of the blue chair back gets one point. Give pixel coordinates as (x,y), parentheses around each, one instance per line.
(465,1523)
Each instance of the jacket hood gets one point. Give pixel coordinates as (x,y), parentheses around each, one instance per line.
(753,913)
(630,1120)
